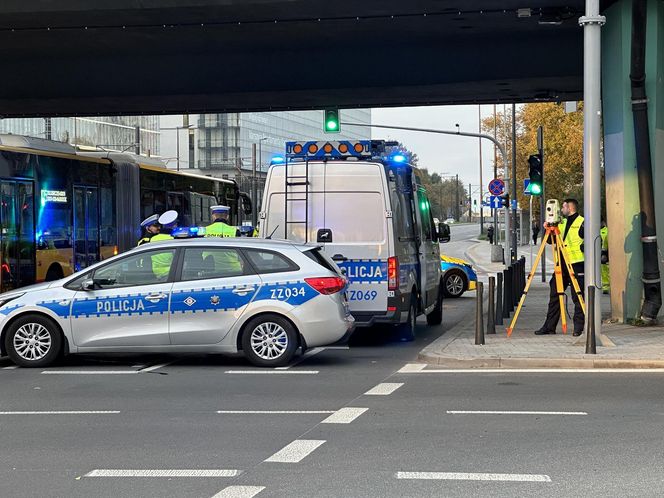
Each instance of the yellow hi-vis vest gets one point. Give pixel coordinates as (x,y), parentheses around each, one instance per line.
(572,241)
(161,263)
(220,229)
(604,234)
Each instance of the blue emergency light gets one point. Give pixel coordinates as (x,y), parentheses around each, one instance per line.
(399,158)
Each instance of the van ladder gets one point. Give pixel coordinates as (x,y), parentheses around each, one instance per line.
(291,196)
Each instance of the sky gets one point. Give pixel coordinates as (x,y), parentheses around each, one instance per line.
(442,154)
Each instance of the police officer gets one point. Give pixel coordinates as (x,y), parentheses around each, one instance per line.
(219,226)
(226,262)
(161,262)
(571,231)
(151,226)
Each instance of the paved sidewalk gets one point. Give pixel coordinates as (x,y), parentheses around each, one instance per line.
(620,346)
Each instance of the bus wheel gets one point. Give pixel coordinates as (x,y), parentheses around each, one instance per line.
(407,330)
(33,341)
(436,315)
(54,273)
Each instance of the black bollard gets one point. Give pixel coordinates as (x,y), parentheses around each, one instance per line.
(523,274)
(479,314)
(507,294)
(491,312)
(498,312)
(591,345)
(515,286)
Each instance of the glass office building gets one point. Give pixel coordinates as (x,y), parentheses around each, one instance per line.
(117,133)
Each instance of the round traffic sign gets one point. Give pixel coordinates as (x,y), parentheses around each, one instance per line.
(497,186)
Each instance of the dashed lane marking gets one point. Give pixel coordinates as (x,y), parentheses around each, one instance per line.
(64,412)
(296,451)
(155,367)
(275,412)
(239,492)
(384,389)
(272,372)
(10,367)
(505,412)
(89,372)
(473,476)
(412,368)
(344,415)
(163,473)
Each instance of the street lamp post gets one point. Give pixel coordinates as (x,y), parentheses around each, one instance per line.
(254,189)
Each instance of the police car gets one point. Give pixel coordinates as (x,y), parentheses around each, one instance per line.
(264,298)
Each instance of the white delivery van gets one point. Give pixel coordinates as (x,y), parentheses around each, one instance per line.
(369,212)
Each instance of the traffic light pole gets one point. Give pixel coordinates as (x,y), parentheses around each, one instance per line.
(515,244)
(449,132)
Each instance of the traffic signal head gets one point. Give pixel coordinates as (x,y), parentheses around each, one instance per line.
(535,173)
(505,200)
(331,123)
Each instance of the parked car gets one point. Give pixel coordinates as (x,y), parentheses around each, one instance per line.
(458,276)
(450,221)
(266,299)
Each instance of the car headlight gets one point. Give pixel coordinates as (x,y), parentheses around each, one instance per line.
(6,299)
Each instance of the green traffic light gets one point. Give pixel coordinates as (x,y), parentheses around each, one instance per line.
(332,125)
(535,189)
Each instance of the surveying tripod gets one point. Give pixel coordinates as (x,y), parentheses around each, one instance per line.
(560,256)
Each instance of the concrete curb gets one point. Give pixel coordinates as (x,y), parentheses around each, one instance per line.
(499,362)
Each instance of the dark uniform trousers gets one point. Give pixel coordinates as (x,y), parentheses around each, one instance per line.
(553,314)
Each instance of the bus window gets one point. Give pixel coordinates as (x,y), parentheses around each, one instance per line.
(147,204)
(108,225)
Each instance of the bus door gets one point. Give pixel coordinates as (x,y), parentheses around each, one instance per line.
(17,234)
(86,226)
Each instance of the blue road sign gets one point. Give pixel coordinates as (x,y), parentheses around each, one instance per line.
(495,202)
(514,204)
(496,186)
(526,186)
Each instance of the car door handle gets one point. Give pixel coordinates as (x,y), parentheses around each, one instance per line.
(243,290)
(153,298)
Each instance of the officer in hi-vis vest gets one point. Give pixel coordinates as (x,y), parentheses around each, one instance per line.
(151,226)
(219,226)
(571,231)
(161,262)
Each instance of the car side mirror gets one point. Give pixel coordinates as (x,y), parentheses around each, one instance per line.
(88,284)
(444,233)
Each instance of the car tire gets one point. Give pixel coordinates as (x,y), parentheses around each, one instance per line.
(33,341)
(406,330)
(455,283)
(436,316)
(269,341)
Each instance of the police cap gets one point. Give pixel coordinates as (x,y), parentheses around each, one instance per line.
(220,209)
(168,218)
(150,220)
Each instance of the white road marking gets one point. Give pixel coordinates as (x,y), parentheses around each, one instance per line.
(272,372)
(306,355)
(275,412)
(239,492)
(89,372)
(11,367)
(535,370)
(163,473)
(384,389)
(64,412)
(344,415)
(337,347)
(412,368)
(155,367)
(499,412)
(296,451)
(472,476)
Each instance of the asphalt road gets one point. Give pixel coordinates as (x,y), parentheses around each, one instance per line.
(358,421)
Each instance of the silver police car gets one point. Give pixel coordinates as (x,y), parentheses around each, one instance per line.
(264,298)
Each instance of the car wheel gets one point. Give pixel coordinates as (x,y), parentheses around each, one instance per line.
(436,316)
(454,283)
(269,341)
(33,341)
(407,330)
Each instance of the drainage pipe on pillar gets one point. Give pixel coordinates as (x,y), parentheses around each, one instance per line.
(651,279)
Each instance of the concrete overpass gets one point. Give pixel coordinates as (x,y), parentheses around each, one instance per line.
(76,57)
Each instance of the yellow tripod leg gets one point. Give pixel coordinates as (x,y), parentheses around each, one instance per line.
(528,282)
(572,275)
(559,283)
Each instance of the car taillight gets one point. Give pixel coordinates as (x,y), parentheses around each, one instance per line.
(392,273)
(327,285)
